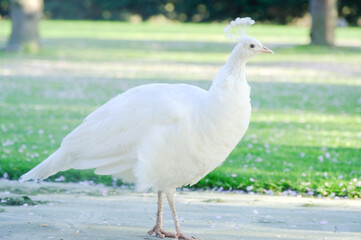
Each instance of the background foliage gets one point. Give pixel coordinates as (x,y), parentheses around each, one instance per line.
(305,131)
(186,10)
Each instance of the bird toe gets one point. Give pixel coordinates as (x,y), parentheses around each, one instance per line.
(160,233)
(185,237)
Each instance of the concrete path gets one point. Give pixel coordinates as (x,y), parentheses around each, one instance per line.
(78,211)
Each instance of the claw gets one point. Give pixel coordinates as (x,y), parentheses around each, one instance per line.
(160,233)
(185,237)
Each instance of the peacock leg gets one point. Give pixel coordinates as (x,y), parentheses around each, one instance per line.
(157,229)
(179,234)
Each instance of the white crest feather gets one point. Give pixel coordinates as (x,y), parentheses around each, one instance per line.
(238,27)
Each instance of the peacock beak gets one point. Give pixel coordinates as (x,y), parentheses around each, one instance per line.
(266,50)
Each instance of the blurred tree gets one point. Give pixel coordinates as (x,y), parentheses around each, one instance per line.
(350,10)
(4,8)
(282,11)
(25,16)
(324,19)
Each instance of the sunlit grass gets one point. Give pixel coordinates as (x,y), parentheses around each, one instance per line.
(304,134)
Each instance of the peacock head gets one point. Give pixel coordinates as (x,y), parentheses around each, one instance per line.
(247,47)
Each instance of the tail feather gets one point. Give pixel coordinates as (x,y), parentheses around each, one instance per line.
(58,161)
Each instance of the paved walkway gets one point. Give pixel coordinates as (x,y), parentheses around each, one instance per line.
(76,211)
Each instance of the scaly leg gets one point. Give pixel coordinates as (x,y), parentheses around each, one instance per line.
(179,234)
(157,229)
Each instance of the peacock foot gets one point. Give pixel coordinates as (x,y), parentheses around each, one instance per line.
(160,233)
(185,237)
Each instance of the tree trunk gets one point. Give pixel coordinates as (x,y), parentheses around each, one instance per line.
(324,17)
(25,16)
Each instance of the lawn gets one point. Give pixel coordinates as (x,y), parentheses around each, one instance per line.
(305,130)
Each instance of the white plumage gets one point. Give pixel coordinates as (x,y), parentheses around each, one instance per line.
(163,136)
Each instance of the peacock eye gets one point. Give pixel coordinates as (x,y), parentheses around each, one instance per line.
(252,45)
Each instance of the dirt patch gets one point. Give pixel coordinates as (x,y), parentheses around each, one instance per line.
(20,201)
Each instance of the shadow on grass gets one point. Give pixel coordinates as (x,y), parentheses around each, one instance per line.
(53,47)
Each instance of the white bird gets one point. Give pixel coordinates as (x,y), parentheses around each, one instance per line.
(164,136)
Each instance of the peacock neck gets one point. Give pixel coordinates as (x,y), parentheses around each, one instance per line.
(236,63)
(231,77)
(233,74)
(237,70)
(227,108)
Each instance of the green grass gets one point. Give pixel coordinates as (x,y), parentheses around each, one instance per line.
(305,131)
